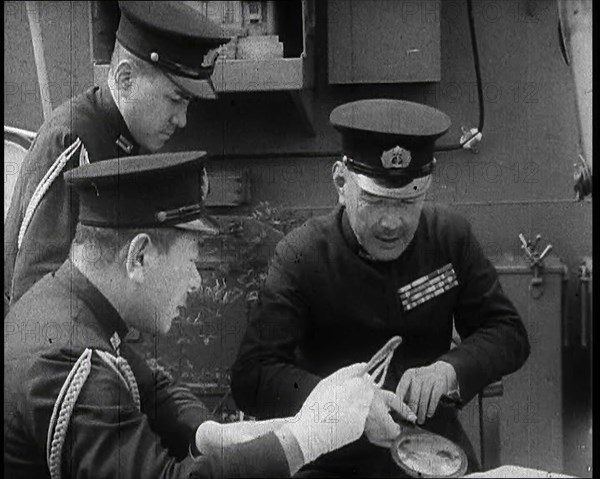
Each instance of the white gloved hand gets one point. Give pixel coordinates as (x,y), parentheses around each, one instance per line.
(212,436)
(334,413)
(380,428)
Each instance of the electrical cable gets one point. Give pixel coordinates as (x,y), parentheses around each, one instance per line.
(449,147)
(458,146)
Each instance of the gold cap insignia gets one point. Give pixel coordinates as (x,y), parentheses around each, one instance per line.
(397,157)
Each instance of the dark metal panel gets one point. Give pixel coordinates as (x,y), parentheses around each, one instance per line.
(578,367)
(229,189)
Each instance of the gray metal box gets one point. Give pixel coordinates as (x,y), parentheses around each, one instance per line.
(530,409)
(384,41)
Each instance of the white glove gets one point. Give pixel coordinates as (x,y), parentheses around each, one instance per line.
(422,388)
(214,436)
(334,413)
(380,428)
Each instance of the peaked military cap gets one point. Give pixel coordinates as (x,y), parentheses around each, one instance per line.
(145,191)
(176,38)
(388,144)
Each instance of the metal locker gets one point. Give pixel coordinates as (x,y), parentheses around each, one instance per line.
(529,411)
(578,380)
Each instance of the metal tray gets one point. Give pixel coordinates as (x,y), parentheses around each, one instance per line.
(420,453)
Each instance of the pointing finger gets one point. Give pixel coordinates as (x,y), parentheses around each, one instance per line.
(436,394)
(414,394)
(425,393)
(404,384)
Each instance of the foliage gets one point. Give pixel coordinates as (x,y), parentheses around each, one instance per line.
(233,269)
(256,240)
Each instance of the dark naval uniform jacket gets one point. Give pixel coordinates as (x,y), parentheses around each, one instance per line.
(325,305)
(94,119)
(108,435)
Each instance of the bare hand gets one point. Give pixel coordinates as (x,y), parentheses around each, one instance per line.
(422,388)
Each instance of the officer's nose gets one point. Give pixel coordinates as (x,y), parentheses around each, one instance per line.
(390,220)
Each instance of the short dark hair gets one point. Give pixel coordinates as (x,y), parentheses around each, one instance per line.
(106,245)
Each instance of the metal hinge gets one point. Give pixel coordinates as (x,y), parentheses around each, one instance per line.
(536,263)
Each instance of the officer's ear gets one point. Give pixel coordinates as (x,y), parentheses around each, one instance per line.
(140,255)
(123,75)
(339,171)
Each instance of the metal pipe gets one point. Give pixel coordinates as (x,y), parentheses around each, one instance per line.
(481,433)
(576,24)
(33,15)
(29,135)
(469,137)
(584,298)
(564,306)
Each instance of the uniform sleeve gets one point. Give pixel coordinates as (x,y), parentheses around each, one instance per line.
(265,381)
(261,457)
(48,237)
(173,411)
(494,341)
(108,437)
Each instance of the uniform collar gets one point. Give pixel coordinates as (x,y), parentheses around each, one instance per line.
(118,128)
(75,281)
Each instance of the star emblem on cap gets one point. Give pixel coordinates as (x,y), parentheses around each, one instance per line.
(396,157)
